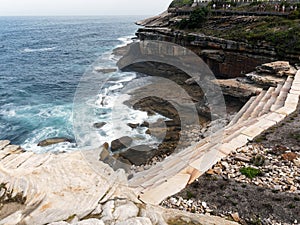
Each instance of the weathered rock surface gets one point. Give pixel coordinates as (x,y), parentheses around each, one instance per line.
(221,55)
(52,141)
(156,21)
(133,125)
(99,125)
(139,155)
(63,189)
(278,68)
(238,88)
(120,143)
(265,80)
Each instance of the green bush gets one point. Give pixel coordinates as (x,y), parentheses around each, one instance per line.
(183,24)
(250,172)
(196,19)
(181,3)
(294,15)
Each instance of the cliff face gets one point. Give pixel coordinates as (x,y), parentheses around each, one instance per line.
(226,58)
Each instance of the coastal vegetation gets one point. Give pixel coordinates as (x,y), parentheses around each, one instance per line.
(250,172)
(281,32)
(181,3)
(196,20)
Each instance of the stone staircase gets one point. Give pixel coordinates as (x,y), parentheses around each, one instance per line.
(178,170)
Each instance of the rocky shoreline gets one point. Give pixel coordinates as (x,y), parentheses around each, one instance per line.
(255,184)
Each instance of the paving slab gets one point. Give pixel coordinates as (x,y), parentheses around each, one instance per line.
(226,148)
(253,131)
(265,123)
(207,160)
(286,110)
(276,117)
(240,141)
(292,99)
(295,91)
(170,187)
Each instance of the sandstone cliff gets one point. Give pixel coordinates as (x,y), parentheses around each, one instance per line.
(221,43)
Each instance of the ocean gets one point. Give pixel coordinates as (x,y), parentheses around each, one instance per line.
(42,60)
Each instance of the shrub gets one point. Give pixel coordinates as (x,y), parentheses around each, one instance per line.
(250,172)
(294,15)
(198,17)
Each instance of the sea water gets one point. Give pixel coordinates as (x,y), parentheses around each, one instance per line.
(42,60)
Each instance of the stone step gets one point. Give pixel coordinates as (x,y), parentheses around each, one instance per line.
(262,103)
(250,109)
(234,131)
(282,95)
(242,111)
(152,178)
(271,101)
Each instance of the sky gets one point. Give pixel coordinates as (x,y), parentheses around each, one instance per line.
(81,7)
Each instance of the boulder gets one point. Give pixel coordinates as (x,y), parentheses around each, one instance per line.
(120,143)
(133,125)
(265,79)
(139,155)
(99,125)
(145,124)
(238,88)
(53,141)
(279,68)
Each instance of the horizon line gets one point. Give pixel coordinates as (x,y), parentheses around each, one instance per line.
(93,15)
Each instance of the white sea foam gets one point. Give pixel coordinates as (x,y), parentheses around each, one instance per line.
(126,77)
(28,50)
(117,116)
(116,87)
(31,143)
(8,112)
(125,41)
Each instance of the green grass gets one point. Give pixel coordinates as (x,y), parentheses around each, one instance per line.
(250,172)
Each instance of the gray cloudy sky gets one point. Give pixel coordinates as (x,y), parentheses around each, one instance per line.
(82,7)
